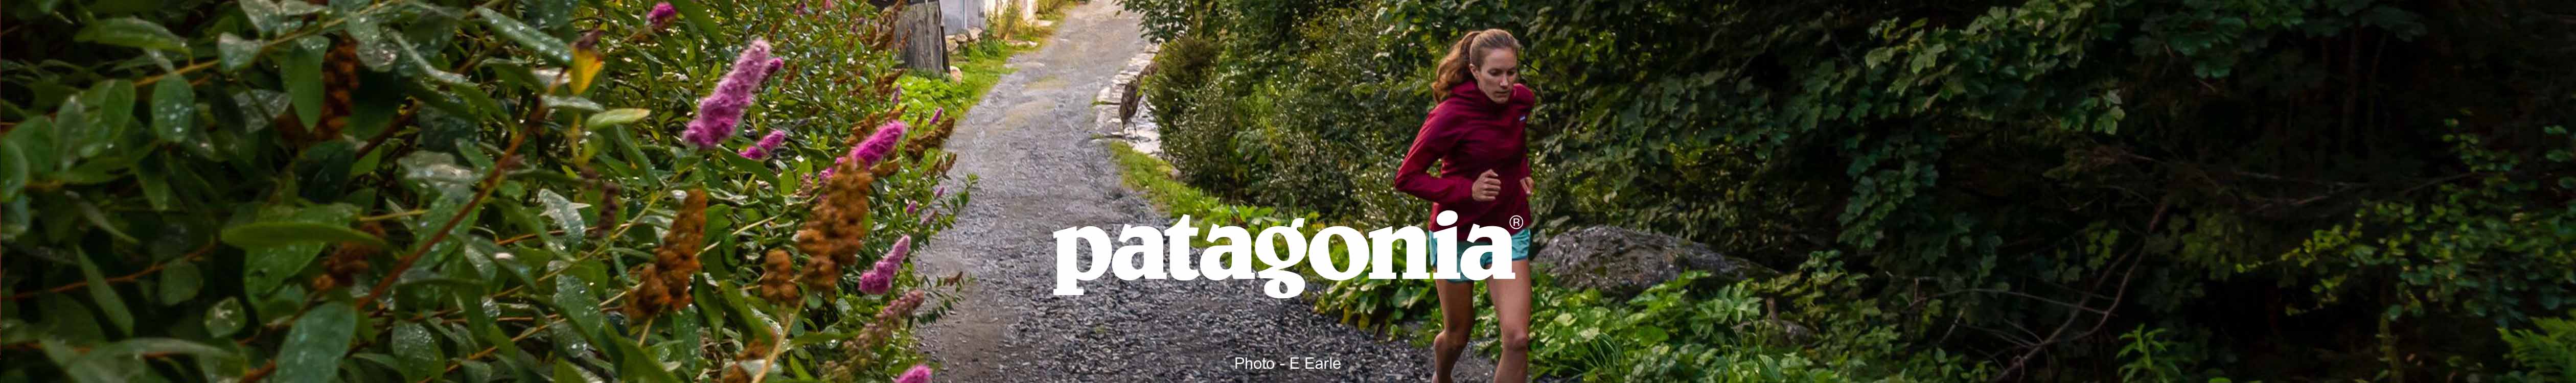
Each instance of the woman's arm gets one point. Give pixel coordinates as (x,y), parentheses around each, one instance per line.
(1428,145)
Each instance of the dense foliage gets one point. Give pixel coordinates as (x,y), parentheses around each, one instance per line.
(444,190)
(2267,189)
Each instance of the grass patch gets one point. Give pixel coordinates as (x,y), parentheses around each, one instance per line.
(980,66)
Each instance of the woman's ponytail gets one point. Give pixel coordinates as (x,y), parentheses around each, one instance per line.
(1454,68)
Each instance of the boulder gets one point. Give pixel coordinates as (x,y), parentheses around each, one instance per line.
(1622,262)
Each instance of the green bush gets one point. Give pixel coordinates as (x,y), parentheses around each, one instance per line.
(417,190)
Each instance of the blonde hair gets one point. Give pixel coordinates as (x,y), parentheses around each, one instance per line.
(1454,67)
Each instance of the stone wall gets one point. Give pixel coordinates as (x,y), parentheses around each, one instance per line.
(1123,116)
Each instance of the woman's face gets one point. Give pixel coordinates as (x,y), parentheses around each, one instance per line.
(1496,72)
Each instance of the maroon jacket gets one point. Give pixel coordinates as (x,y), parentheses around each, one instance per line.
(1469,134)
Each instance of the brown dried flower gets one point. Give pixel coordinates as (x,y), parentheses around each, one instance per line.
(664,285)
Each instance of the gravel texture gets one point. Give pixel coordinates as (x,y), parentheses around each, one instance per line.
(1031,141)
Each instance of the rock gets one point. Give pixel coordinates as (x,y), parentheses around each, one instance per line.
(973,32)
(1622,262)
(956,75)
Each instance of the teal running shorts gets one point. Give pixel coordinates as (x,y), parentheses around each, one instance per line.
(1520,250)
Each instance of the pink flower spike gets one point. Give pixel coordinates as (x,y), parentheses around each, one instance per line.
(894,254)
(774,65)
(920,373)
(877,145)
(875,283)
(661,16)
(912,208)
(721,110)
(767,144)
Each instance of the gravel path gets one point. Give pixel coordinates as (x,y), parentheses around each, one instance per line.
(1030,142)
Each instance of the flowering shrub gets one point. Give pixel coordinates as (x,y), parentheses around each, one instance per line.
(443,190)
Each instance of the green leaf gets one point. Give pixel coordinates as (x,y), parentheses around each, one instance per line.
(304,61)
(571,102)
(179,281)
(99,218)
(115,100)
(269,266)
(634,364)
(564,371)
(156,184)
(620,116)
(374,49)
(142,346)
(270,234)
(123,360)
(572,295)
(418,352)
(562,211)
(13,170)
(104,295)
(132,32)
(552,16)
(233,53)
(224,317)
(696,14)
(174,108)
(316,343)
(545,45)
(276,16)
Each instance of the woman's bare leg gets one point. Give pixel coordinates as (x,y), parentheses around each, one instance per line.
(1457,320)
(1512,308)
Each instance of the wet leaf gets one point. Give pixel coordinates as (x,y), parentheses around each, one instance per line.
(572,295)
(562,211)
(275,16)
(551,16)
(375,49)
(421,65)
(418,352)
(132,32)
(224,317)
(545,45)
(316,343)
(233,52)
(174,108)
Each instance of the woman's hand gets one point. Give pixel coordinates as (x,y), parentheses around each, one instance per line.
(1487,187)
(1528,188)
